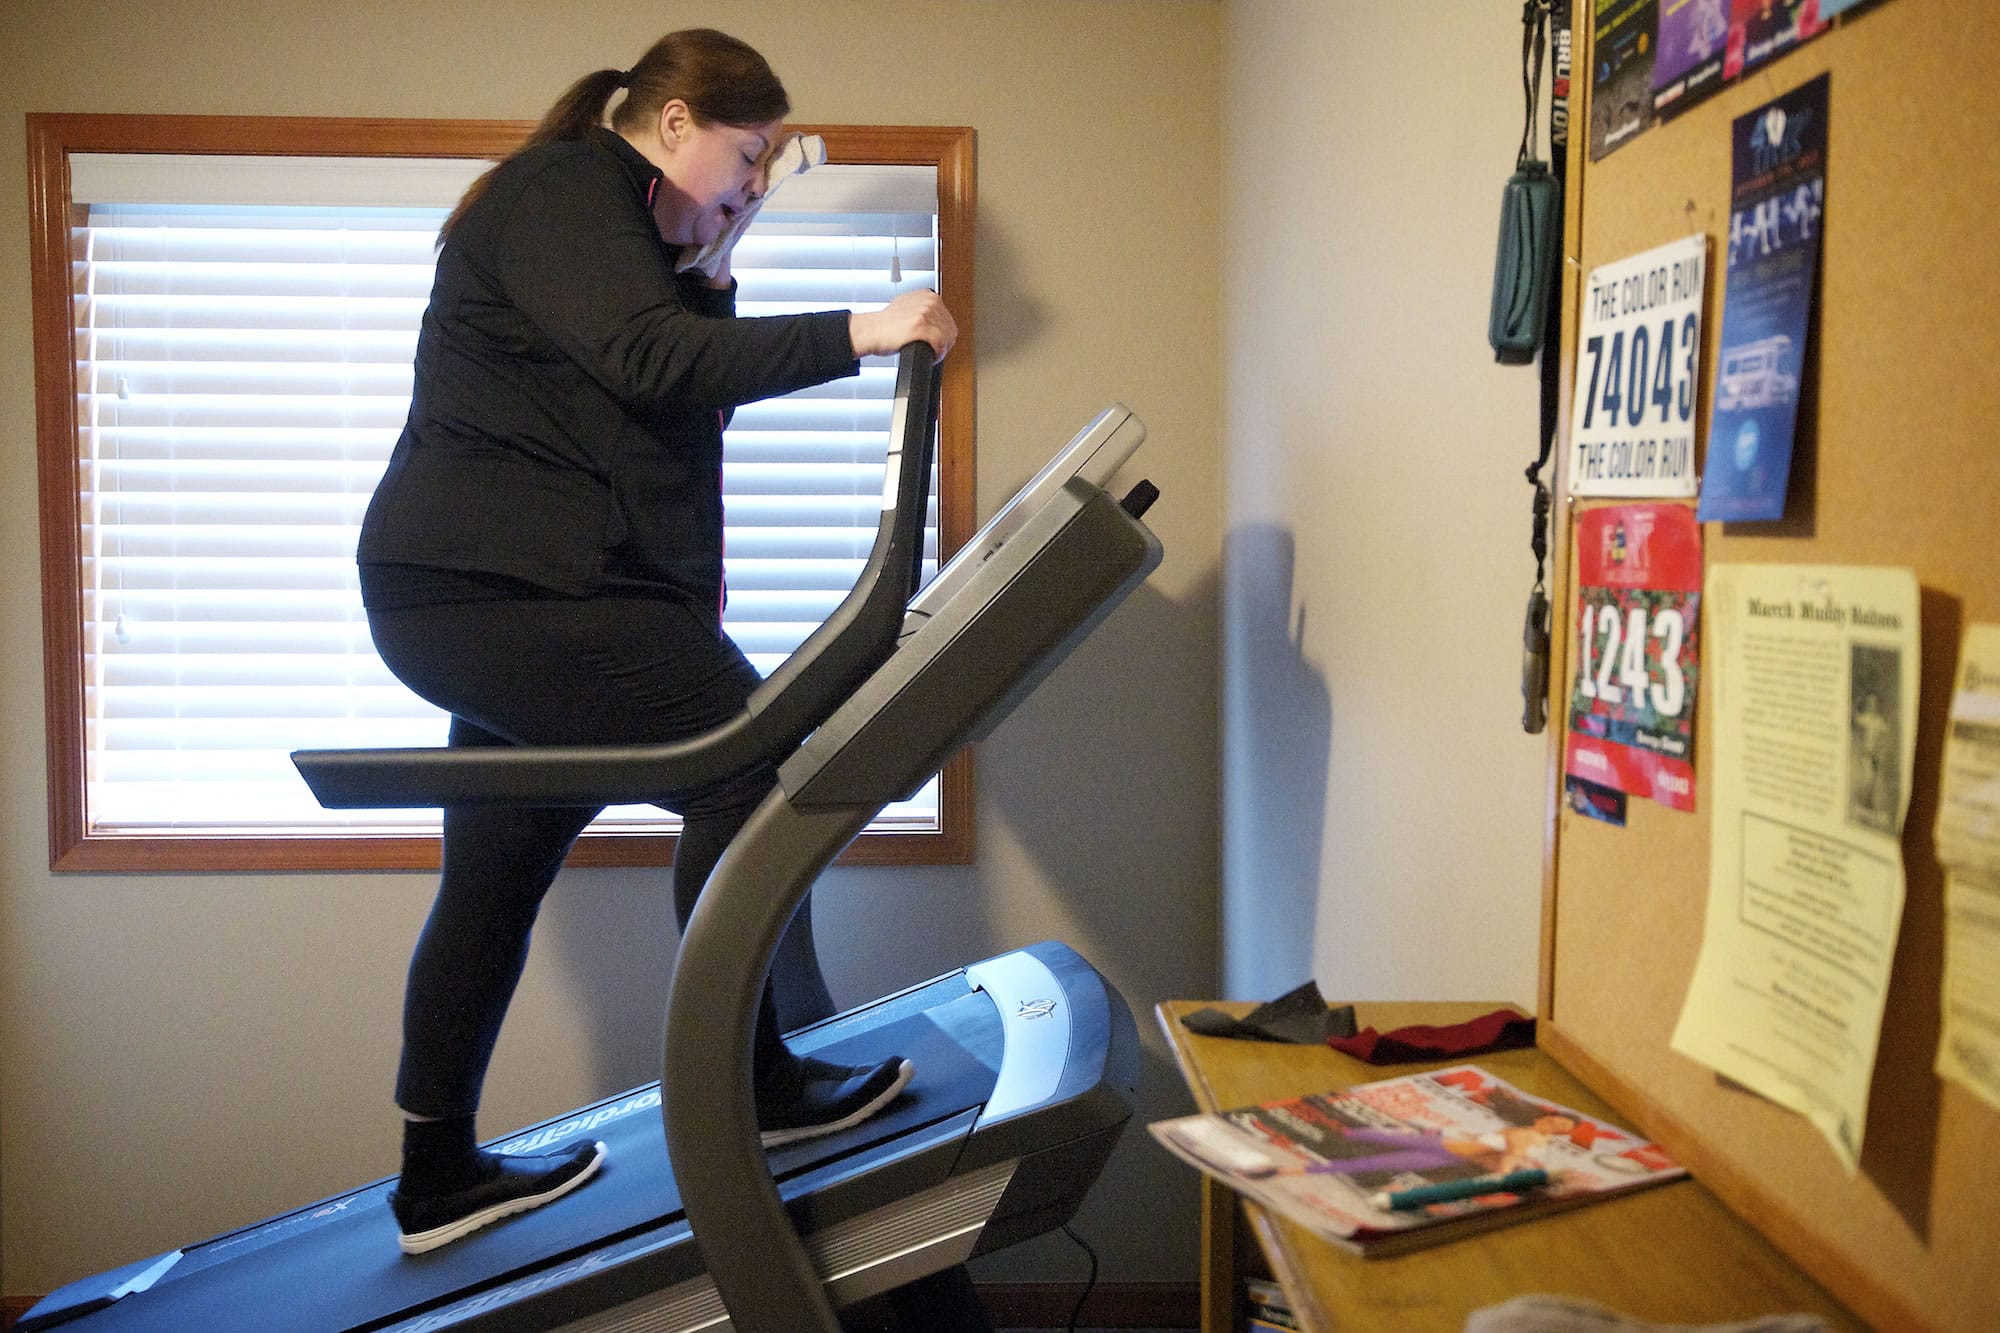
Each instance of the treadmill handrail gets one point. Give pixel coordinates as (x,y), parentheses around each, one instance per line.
(1024,610)
(855,639)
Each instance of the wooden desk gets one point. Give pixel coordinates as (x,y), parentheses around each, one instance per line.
(1672,1254)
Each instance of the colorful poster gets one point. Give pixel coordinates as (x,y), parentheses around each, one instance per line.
(1687,65)
(1777,205)
(1812,682)
(1761,30)
(1704,45)
(1621,72)
(1638,602)
(1632,426)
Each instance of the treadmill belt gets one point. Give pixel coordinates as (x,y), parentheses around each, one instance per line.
(354,1235)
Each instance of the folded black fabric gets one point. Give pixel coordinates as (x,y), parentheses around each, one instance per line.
(1299,1017)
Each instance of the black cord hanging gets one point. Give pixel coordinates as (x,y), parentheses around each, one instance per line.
(1534,37)
(1537,18)
(1089,1285)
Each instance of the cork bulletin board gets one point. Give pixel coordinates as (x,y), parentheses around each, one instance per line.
(1897,463)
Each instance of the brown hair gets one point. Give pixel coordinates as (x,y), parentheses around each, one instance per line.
(722,80)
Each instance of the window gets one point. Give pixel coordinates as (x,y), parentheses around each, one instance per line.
(208,446)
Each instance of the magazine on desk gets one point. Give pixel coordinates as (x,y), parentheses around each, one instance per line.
(1356,1164)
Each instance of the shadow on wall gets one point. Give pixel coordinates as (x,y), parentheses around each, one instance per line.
(1009,317)
(611,935)
(1275,760)
(1105,778)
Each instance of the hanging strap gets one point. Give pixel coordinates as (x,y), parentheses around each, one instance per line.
(1537,18)
(1534,37)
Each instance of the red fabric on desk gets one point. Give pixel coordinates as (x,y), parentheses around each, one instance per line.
(1501,1030)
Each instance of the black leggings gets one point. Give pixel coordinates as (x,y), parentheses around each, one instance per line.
(556,671)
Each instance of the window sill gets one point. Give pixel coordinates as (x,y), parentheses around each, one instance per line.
(208,852)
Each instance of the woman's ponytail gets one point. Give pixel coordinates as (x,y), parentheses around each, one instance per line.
(720,78)
(577,111)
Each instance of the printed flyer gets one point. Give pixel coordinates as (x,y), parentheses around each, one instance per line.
(1762,30)
(1704,45)
(1621,72)
(1688,63)
(1968,846)
(1777,206)
(1638,602)
(1632,427)
(1812,680)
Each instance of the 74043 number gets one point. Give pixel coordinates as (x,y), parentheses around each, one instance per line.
(1657,375)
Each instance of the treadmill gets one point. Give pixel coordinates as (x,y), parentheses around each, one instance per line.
(1026,1063)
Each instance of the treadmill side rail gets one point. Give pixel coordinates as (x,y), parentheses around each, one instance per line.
(862,1257)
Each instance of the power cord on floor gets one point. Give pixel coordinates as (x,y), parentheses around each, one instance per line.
(1090,1283)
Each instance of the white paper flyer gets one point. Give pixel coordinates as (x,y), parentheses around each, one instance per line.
(1812,675)
(1968,845)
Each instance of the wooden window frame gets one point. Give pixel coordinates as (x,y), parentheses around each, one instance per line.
(54,222)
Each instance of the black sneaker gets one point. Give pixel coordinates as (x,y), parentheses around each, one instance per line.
(813,1097)
(512,1185)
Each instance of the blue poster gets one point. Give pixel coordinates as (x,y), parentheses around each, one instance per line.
(1777,203)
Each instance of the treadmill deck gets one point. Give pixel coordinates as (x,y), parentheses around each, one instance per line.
(622,1241)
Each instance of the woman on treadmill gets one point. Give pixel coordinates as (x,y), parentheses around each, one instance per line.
(543,556)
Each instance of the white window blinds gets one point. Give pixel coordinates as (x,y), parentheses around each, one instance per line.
(244,329)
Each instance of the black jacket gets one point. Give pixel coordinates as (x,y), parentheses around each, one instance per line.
(565,425)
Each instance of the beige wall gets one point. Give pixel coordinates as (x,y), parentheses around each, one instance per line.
(182,1054)
(1382,809)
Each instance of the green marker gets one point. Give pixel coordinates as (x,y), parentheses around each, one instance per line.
(1417,1196)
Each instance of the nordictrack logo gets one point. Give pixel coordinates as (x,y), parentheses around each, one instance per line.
(500,1296)
(555,1134)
